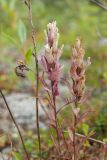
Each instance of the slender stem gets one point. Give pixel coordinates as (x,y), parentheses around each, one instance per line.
(55,114)
(60,109)
(90,139)
(99,4)
(74,139)
(74,133)
(37,73)
(65,142)
(15,123)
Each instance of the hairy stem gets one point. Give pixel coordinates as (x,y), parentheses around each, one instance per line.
(65,142)
(55,115)
(37,72)
(74,134)
(61,108)
(15,123)
(74,140)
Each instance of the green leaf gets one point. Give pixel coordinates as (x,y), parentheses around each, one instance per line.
(28,55)
(21,31)
(85,129)
(17,156)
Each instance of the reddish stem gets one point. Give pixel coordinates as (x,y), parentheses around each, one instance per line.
(55,114)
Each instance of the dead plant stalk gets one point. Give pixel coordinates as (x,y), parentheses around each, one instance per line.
(15,123)
(36,72)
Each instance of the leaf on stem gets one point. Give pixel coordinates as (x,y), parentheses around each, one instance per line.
(21,31)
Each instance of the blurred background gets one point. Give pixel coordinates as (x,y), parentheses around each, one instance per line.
(79,18)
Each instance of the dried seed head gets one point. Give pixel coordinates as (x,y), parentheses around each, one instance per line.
(77,70)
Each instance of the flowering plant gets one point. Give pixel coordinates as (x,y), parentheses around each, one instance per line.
(51,55)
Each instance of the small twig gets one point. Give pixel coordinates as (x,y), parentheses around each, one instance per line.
(99,4)
(36,70)
(60,109)
(15,123)
(90,139)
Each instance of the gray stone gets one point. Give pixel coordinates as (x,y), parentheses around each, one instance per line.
(23,107)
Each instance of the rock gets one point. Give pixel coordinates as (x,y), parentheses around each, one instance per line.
(3,157)
(103,42)
(23,107)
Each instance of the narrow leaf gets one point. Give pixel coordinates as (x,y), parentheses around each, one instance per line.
(21,31)
(28,55)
